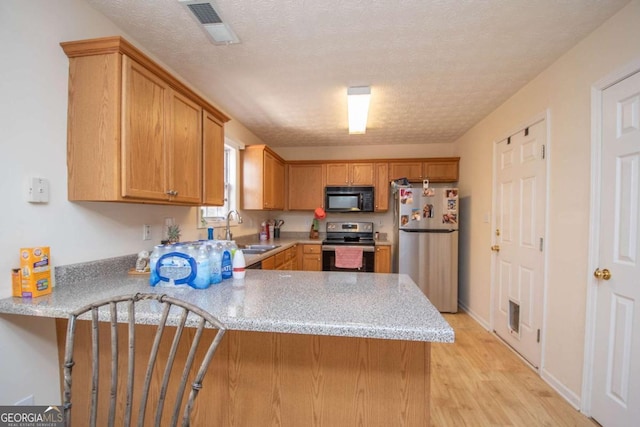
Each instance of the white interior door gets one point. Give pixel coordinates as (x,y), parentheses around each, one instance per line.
(520,179)
(615,396)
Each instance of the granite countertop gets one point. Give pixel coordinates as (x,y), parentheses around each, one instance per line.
(386,306)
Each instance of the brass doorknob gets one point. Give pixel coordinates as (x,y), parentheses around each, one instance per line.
(602,274)
(495,248)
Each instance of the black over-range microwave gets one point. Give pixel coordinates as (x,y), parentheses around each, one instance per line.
(348,199)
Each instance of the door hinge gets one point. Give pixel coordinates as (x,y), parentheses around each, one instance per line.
(526,132)
(543,152)
(508,140)
(541,243)
(538,338)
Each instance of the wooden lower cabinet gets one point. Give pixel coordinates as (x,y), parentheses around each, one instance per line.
(274,379)
(283,260)
(383,259)
(311,258)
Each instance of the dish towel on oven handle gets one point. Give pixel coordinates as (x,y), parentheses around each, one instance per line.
(348,257)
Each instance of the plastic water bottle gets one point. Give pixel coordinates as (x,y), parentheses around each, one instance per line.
(158,251)
(215,260)
(227,268)
(203,273)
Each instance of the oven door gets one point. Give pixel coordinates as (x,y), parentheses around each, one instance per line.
(329,259)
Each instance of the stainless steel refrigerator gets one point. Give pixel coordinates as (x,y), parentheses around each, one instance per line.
(427,241)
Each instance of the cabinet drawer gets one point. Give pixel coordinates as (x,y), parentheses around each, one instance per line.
(280,258)
(311,249)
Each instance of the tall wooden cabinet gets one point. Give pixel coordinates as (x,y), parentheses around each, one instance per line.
(305,185)
(382,187)
(212,160)
(135,133)
(262,179)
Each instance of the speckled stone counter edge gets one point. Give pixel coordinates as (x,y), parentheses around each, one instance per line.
(74,273)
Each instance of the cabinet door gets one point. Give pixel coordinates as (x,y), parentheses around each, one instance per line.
(144,151)
(185,149)
(273,189)
(269,263)
(410,170)
(361,174)
(337,174)
(441,171)
(306,189)
(311,258)
(212,161)
(383,259)
(382,187)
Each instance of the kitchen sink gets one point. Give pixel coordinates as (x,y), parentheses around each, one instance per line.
(258,249)
(261,247)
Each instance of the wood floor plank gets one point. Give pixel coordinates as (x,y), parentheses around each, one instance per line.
(479,381)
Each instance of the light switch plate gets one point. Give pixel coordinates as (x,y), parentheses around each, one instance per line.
(38,190)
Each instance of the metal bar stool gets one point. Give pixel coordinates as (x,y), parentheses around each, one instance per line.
(201,318)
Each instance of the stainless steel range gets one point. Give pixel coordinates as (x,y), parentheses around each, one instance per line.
(357,235)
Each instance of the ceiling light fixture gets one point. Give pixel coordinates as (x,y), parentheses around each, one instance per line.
(358,98)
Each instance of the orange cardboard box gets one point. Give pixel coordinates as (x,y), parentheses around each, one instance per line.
(35,269)
(16,282)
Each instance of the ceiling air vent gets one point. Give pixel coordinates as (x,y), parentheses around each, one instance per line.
(211,22)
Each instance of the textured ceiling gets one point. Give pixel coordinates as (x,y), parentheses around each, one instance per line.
(435,67)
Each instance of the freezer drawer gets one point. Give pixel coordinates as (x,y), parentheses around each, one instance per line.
(431,260)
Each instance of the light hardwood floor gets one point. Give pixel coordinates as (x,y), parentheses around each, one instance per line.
(479,381)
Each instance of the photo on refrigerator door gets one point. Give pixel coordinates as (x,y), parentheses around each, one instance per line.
(428,192)
(427,211)
(415,214)
(450,218)
(404,219)
(451,193)
(452,204)
(406,196)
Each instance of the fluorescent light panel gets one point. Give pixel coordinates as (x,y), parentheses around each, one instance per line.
(358,99)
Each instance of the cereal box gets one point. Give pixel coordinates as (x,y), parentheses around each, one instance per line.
(35,269)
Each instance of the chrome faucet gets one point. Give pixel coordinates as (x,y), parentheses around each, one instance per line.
(228,235)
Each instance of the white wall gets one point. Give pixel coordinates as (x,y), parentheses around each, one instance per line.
(564,88)
(33,120)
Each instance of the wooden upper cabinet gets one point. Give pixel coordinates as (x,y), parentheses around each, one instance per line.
(185,150)
(410,170)
(144,133)
(135,132)
(382,187)
(262,179)
(349,174)
(435,170)
(212,160)
(274,181)
(305,186)
(441,170)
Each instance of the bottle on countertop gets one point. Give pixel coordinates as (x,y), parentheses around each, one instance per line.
(239,265)
(203,269)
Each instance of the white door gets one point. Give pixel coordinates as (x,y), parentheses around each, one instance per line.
(518,288)
(616,367)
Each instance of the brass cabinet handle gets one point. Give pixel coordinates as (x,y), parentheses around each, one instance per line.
(602,274)
(495,248)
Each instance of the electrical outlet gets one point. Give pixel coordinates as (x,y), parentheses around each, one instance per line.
(146,232)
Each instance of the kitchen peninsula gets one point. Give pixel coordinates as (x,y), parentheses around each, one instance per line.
(302,348)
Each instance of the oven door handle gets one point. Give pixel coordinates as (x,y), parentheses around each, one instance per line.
(327,248)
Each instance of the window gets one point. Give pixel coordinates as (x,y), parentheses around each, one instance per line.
(215,216)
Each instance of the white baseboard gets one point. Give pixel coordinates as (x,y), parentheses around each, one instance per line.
(568,395)
(474,316)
